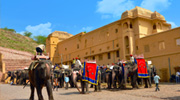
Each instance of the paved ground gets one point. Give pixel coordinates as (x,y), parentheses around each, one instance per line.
(167,91)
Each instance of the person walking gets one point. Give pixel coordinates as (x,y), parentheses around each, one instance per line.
(177,76)
(66,78)
(156,80)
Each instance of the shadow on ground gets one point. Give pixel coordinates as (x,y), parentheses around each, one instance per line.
(172,98)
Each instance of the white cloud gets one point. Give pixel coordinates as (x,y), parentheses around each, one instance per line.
(173,25)
(105,16)
(41,29)
(155,5)
(113,7)
(87,29)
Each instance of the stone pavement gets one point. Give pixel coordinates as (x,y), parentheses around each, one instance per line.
(168,91)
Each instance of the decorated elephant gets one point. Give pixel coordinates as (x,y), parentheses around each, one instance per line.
(39,76)
(130,70)
(77,75)
(117,76)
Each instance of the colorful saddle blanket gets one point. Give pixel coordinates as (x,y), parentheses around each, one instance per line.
(142,68)
(90,72)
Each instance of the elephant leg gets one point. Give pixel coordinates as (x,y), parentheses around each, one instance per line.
(113,78)
(82,86)
(87,87)
(32,92)
(91,86)
(39,92)
(146,84)
(49,90)
(149,81)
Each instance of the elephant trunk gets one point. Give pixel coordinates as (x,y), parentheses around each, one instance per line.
(74,80)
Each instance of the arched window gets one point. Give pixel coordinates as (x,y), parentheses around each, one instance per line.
(154,26)
(125,25)
(131,25)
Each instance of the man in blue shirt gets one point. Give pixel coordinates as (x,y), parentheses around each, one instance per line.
(156,81)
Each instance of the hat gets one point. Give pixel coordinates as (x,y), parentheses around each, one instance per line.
(131,55)
(73,58)
(76,57)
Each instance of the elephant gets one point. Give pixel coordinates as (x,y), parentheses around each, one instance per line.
(77,75)
(148,81)
(130,69)
(22,76)
(12,75)
(39,76)
(117,76)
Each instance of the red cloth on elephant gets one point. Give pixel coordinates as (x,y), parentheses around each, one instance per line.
(142,68)
(90,72)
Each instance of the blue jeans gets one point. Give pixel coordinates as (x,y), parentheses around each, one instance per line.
(157,88)
(177,79)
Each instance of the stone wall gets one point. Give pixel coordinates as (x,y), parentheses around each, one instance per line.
(15,59)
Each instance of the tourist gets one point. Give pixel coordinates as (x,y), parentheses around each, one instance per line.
(66,79)
(177,76)
(156,81)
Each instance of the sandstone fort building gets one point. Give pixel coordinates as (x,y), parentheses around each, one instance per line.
(139,31)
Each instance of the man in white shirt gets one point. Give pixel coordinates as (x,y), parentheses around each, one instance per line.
(156,81)
(78,63)
(132,58)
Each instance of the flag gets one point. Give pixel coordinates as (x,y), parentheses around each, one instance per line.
(90,73)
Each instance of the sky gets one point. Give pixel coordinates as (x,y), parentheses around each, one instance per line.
(42,17)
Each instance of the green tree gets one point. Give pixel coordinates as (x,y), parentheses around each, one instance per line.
(7,29)
(40,39)
(28,34)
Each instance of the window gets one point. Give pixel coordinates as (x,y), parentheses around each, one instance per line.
(131,25)
(109,55)
(178,42)
(146,48)
(117,53)
(154,26)
(93,51)
(65,49)
(116,30)
(101,57)
(93,57)
(100,49)
(117,45)
(108,47)
(85,43)
(161,45)
(77,46)
(107,33)
(86,53)
(136,47)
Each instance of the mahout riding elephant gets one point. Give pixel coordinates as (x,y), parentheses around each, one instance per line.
(77,75)
(130,69)
(39,76)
